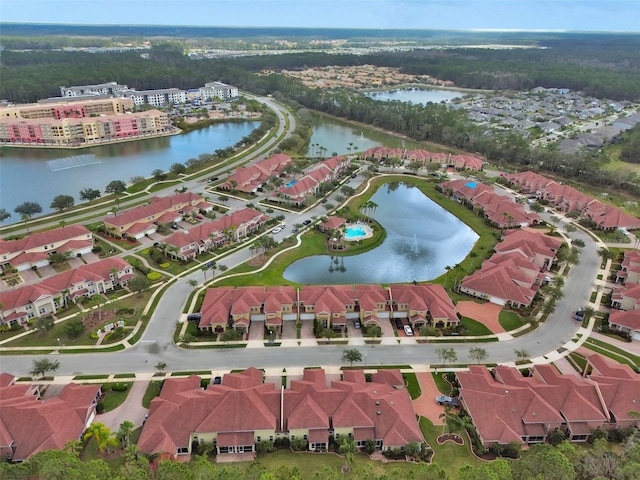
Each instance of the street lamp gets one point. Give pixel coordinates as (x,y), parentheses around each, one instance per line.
(58,342)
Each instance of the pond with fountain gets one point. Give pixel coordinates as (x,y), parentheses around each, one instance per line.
(422,239)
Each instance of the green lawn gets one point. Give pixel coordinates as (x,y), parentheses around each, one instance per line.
(474,328)
(449,456)
(613,352)
(510,320)
(413,387)
(310,463)
(153,390)
(443,386)
(91,452)
(113,399)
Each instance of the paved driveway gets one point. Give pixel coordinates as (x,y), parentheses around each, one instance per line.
(307,338)
(131,409)
(425,405)
(486,313)
(256,331)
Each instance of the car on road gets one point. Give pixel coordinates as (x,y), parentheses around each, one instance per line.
(276,230)
(578,315)
(399,324)
(447,400)
(356,323)
(408,331)
(294,230)
(353,175)
(306,222)
(213,179)
(324,200)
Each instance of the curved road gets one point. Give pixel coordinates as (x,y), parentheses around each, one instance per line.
(156,344)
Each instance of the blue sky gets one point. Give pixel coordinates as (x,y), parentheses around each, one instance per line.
(584,15)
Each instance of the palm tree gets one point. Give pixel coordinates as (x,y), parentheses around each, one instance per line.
(192,283)
(348,449)
(521,354)
(124,433)
(102,435)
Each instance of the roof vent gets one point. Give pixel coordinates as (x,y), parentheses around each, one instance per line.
(506,391)
(377,402)
(391,403)
(378,412)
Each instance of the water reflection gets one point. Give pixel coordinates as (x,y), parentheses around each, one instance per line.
(422,239)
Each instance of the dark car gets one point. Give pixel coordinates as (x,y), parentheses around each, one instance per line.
(306,222)
(194,317)
(175,226)
(399,324)
(353,175)
(324,200)
(213,179)
(578,315)
(446,400)
(217,380)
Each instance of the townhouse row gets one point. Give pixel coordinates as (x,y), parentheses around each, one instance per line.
(29,424)
(514,273)
(507,407)
(625,298)
(568,200)
(424,157)
(499,210)
(19,305)
(332,306)
(243,411)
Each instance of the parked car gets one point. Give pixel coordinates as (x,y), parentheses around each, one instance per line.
(353,175)
(217,380)
(276,230)
(294,230)
(446,400)
(324,200)
(399,324)
(578,315)
(356,323)
(408,331)
(306,222)
(194,317)
(175,226)
(213,179)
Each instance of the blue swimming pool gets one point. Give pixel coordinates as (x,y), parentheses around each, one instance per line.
(354,232)
(291,183)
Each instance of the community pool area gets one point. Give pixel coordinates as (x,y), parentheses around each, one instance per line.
(357,231)
(291,183)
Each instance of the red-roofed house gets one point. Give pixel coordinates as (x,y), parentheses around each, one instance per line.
(423,304)
(29,425)
(626,322)
(35,248)
(332,223)
(143,220)
(626,298)
(511,276)
(567,199)
(619,387)
(188,244)
(44,298)
(506,407)
(248,179)
(243,411)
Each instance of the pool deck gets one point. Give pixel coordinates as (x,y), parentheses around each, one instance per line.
(368,232)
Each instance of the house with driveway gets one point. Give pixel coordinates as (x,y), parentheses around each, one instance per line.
(143,220)
(626,322)
(188,244)
(34,249)
(507,407)
(330,306)
(29,425)
(21,304)
(567,199)
(248,179)
(513,274)
(243,411)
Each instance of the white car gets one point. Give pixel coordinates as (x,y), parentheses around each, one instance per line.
(276,230)
(408,331)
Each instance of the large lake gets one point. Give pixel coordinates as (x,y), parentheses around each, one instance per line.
(422,239)
(36,175)
(416,95)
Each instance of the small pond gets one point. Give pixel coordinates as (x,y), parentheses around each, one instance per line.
(422,239)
